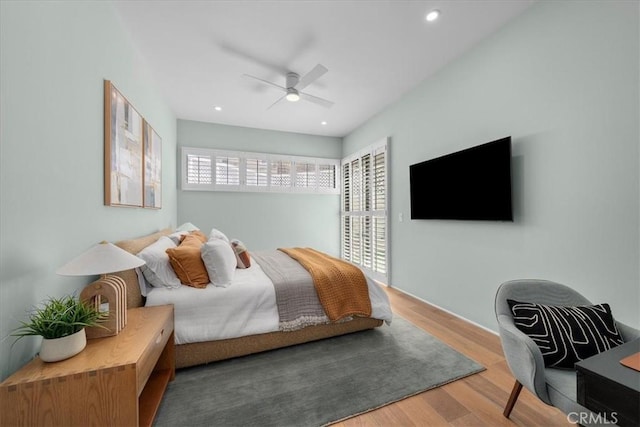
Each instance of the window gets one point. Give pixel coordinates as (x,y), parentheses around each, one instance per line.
(227,171)
(364,210)
(256,172)
(327,176)
(281,174)
(198,169)
(240,171)
(305,174)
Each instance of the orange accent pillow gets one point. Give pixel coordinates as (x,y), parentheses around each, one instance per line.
(199,234)
(187,262)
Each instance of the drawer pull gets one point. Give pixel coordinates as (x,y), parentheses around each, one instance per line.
(159,339)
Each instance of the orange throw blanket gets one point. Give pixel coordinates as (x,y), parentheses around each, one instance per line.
(341,286)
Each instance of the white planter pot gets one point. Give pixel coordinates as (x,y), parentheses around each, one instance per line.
(54,350)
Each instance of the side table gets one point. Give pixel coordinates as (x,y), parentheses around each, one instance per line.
(114,381)
(608,388)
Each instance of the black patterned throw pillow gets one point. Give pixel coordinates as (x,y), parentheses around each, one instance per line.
(567,335)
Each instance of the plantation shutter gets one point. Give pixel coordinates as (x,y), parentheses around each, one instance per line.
(305,175)
(379,226)
(206,169)
(326,176)
(281,173)
(256,172)
(364,210)
(365,221)
(198,169)
(227,171)
(345,219)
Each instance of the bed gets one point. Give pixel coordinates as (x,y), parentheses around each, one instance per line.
(258,331)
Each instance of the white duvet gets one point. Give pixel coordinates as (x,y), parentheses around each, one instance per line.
(246,307)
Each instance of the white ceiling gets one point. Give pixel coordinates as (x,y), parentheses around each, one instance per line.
(375,51)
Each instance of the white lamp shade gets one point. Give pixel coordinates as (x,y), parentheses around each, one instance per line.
(102,258)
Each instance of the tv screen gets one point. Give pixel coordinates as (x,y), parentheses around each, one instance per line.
(472,184)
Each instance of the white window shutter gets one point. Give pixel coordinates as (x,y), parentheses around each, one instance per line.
(364,221)
(198,169)
(280,174)
(256,172)
(305,174)
(227,171)
(327,176)
(221,170)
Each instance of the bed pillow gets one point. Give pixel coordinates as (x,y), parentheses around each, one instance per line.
(187,263)
(197,233)
(220,261)
(217,234)
(187,226)
(177,236)
(242,254)
(157,270)
(567,335)
(182,231)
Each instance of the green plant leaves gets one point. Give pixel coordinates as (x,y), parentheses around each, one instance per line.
(59,317)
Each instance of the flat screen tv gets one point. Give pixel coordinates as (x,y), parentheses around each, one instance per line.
(472,184)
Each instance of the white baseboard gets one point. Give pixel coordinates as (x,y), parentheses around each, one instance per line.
(443,309)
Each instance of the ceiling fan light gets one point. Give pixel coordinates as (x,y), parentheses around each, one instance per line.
(433,15)
(293,97)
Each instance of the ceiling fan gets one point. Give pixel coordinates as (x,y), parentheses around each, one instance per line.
(295,84)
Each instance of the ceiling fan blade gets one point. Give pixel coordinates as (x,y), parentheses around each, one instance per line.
(265,81)
(316,100)
(317,72)
(279,99)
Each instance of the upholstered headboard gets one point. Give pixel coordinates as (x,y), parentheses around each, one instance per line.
(134,297)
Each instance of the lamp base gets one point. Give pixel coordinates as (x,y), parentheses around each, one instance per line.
(107,294)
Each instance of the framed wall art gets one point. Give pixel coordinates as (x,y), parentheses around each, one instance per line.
(152,168)
(123,150)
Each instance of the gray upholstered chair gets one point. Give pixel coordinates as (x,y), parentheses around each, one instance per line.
(556,387)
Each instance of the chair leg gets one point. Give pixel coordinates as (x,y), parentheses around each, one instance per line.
(517,387)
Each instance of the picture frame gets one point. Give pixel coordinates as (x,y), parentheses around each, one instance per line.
(152,156)
(123,150)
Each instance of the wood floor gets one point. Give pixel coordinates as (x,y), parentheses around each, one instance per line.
(477,400)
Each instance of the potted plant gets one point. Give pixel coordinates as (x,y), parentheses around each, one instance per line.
(61,322)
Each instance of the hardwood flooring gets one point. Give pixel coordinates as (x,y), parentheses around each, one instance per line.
(477,400)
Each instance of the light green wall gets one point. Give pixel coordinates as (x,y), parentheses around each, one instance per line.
(562,79)
(54,57)
(261,220)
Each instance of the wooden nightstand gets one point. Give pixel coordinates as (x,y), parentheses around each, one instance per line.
(114,381)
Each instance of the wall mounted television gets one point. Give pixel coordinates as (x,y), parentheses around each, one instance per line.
(472,184)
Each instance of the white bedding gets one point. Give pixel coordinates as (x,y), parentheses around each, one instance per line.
(246,307)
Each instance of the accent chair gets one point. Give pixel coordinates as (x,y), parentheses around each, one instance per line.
(555,387)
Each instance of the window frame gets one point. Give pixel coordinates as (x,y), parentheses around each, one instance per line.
(243,156)
(369,210)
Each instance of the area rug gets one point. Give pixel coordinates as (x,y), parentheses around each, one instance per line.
(314,384)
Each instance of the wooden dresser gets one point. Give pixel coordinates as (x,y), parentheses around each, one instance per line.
(114,381)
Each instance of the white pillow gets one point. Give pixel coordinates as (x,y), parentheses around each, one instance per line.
(157,269)
(220,261)
(175,236)
(217,234)
(187,226)
(181,231)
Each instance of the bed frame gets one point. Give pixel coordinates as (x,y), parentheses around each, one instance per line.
(211,351)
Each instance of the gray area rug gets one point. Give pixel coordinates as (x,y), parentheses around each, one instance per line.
(316,383)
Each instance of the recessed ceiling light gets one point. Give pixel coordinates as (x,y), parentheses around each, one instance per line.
(217,108)
(323,123)
(433,15)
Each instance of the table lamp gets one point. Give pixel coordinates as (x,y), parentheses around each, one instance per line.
(109,293)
